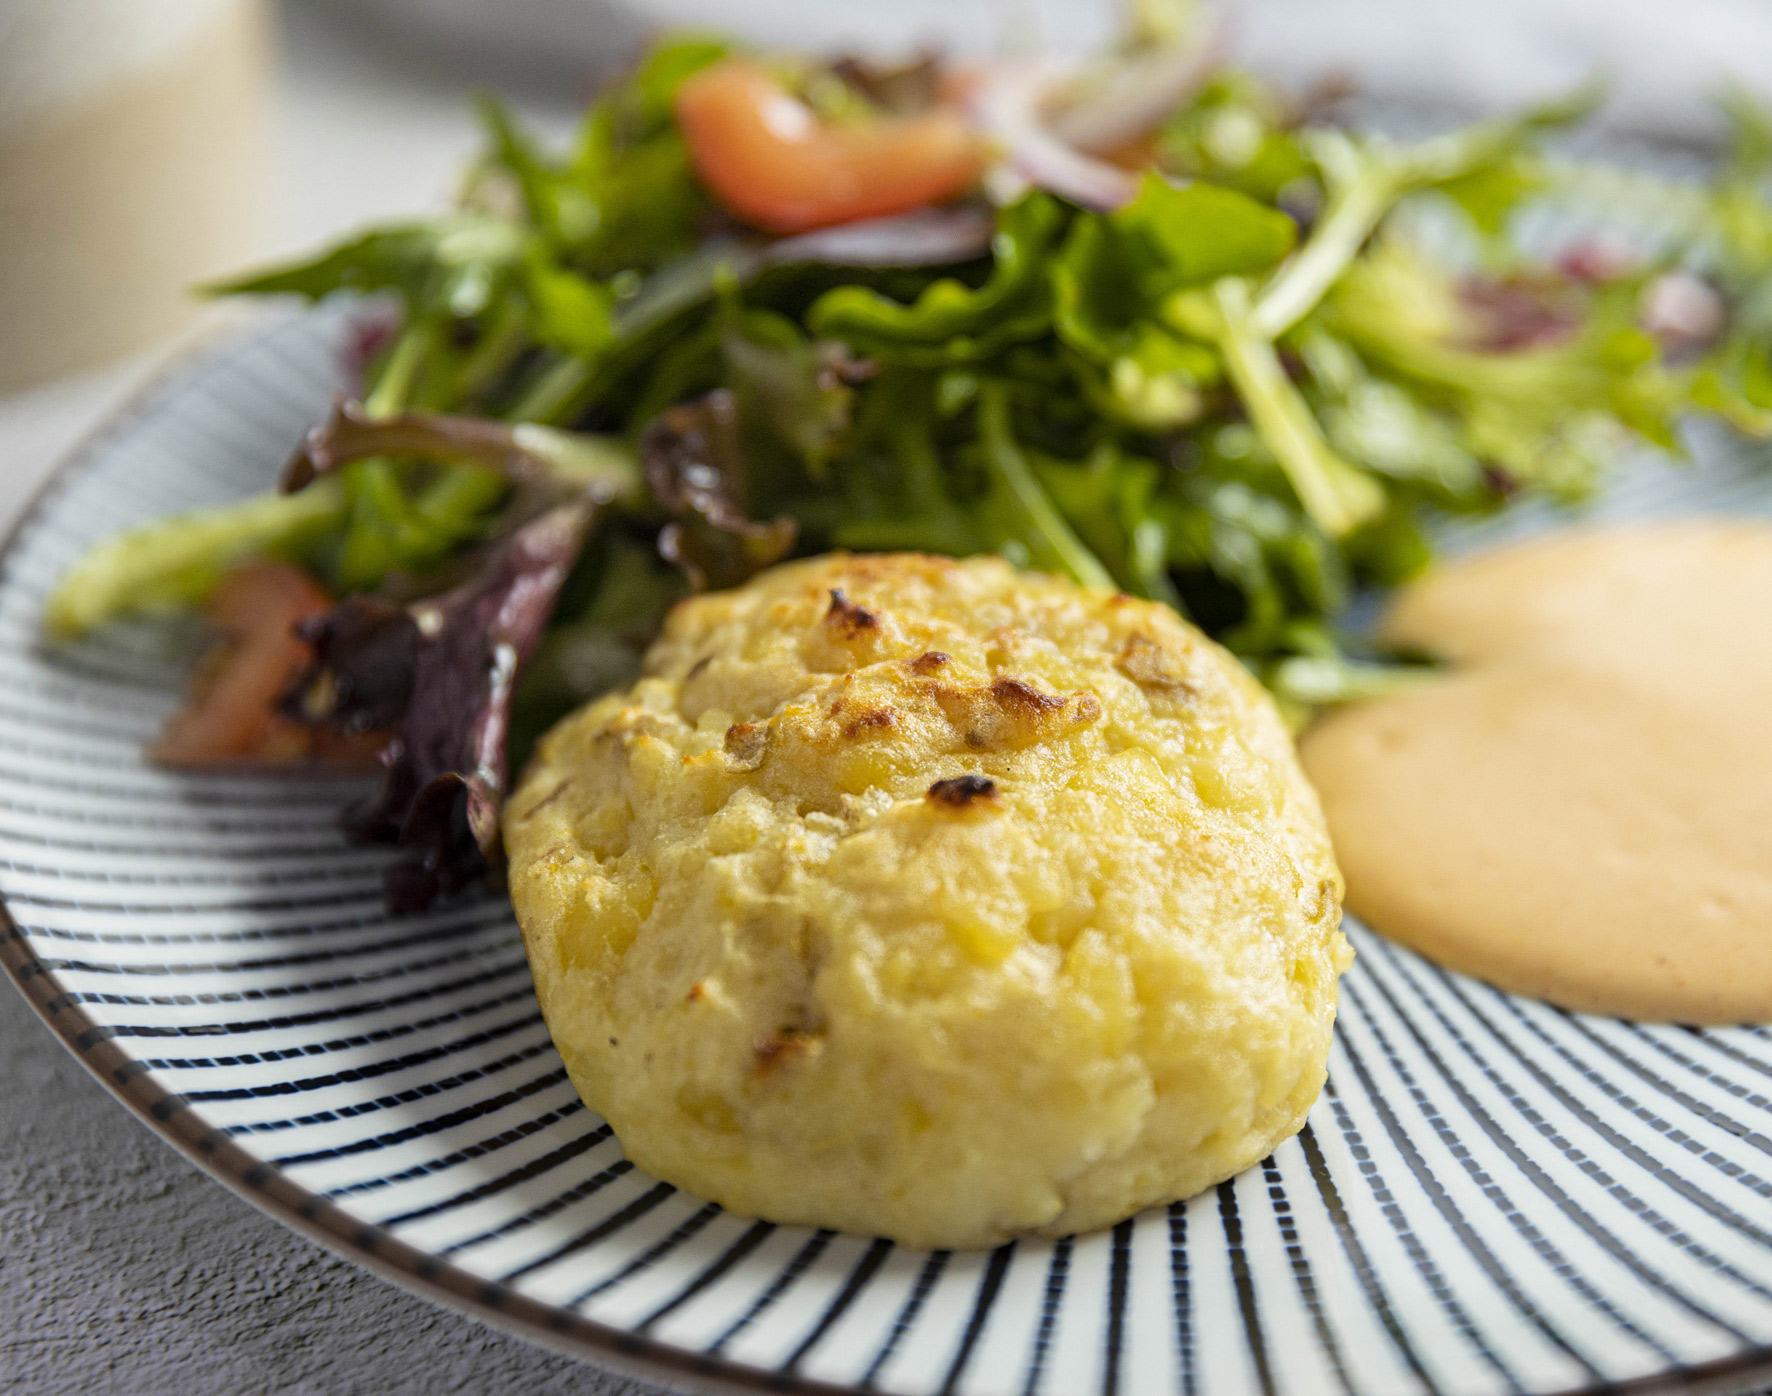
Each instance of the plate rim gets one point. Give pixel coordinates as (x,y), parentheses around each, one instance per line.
(398,1262)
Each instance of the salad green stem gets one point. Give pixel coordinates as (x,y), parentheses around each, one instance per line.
(1314,680)
(915,454)
(176,562)
(393,386)
(1338,496)
(548,398)
(1050,540)
(493,355)
(1366,179)
(463,491)
(1354,210)
(1148,561)
(383,524)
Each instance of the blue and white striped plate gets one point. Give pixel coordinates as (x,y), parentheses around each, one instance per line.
(1491,1196)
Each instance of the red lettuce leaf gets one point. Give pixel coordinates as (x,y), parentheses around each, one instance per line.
(444,671)
(694,466)
(526,453)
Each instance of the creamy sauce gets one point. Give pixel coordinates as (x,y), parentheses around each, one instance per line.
(1581,810)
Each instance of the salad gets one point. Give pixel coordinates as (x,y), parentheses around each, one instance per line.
(1144,322)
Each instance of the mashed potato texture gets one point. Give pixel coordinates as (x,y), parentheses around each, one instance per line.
(932,900)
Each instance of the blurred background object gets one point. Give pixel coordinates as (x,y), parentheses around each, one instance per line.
(1663,61)
(560,41)
(132,164)
(135,158)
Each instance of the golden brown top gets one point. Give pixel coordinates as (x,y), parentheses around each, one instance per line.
(932,899)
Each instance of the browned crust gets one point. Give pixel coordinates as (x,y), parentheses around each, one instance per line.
(780,1048)
(1149,665)
(964,792)
(849,620)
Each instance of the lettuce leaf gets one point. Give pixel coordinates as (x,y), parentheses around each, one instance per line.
(175,562)
(950,322)
(1199,232)
(443,672)
(456,263)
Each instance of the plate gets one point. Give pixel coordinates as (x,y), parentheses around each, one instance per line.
(1492,1197)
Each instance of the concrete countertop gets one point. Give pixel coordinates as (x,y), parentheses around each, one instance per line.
(125,1269)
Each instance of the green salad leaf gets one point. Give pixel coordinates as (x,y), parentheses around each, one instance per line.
(176,562)
(951,322)
(1247,393)
(1198,232)
(455,263)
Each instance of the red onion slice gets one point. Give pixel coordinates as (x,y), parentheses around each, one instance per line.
(924,237)
(1126,101)
(1007,107)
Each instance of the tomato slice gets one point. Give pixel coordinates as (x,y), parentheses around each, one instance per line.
(772,163)
(230,717)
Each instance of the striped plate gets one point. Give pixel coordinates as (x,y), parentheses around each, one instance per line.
(1491,1196)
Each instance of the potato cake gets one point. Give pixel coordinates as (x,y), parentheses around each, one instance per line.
(932,900)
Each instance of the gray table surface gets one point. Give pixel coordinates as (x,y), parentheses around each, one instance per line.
(125,1269)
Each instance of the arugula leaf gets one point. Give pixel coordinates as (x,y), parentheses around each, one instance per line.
(1161,381)
(1735,382)
(1551,416)
(1490,193)
(623,198)
(1365,179)
(650,93)
(794,391)
(1250,566)
(561,210)
(1337,495)
(1238,133)
(1107,500)
(951,322)
(1018,508)
(630,163)
(896,489)
(1098,302)
(1112,270)
(388,530)
(1102,308)
(1384,427)
(572,312)
(1200,232)
(455,263)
